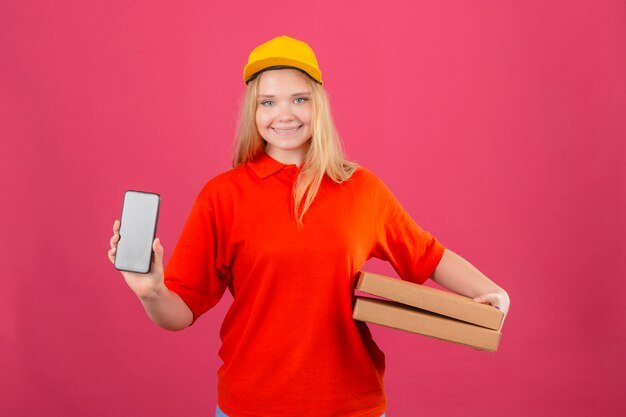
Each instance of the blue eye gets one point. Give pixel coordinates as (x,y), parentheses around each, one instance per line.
(300,100)
(267,103)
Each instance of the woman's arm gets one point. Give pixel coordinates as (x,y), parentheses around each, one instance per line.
(458,275)
(164,307)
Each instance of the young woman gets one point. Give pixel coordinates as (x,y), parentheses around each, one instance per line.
(287,231)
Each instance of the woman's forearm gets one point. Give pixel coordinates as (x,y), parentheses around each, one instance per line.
(166,309)
(461,277)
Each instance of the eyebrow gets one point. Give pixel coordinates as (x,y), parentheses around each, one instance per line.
(306,93)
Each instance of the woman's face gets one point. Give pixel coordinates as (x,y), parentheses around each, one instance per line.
(283,114)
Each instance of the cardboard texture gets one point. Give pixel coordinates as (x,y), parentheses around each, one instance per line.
(431,299)
(414,320)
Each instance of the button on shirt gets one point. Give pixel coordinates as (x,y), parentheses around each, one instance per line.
(289,343)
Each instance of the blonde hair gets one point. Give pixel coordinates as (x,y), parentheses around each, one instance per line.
(324,155)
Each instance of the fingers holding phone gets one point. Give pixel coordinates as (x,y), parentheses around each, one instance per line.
(114,239)
(142,285)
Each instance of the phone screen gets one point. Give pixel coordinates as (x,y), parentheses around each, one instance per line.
(137,231)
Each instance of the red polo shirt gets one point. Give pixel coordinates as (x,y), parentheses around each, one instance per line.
(289,344)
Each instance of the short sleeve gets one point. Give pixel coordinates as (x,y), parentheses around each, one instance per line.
(192,271)
(413,252)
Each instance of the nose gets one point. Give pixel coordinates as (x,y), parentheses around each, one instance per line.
(285,113)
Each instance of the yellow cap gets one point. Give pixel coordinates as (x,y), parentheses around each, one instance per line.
(282,51)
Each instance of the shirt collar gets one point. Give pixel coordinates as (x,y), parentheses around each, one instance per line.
(264,165)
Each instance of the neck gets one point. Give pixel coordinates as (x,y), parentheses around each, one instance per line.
(287,157)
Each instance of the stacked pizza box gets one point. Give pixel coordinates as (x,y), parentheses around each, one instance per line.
(428,311)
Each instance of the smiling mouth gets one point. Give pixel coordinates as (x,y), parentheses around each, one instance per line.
(286,132)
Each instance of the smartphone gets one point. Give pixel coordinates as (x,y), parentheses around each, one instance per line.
(138,223)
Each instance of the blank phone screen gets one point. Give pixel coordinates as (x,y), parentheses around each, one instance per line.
(137,230)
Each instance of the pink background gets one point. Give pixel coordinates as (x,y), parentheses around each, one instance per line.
(499,125)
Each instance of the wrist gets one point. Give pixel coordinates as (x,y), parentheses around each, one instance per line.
(152,294)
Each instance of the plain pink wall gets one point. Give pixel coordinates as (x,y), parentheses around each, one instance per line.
(499,125)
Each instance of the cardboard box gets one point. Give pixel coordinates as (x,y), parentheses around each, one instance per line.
(414,320)
(431,299)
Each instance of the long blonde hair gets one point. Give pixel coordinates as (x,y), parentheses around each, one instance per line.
(324,155)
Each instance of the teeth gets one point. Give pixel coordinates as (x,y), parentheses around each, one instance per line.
(285,131)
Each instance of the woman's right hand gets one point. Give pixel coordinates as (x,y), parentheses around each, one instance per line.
(144,285)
